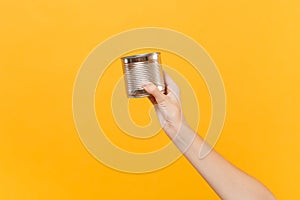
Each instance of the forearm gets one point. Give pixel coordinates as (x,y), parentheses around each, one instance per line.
(226,180)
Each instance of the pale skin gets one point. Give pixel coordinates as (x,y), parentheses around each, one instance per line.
(229,182)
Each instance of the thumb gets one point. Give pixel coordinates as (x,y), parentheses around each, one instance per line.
(154,91)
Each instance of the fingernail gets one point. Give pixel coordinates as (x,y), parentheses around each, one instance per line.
(147,84)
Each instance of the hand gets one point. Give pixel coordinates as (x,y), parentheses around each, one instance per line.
(226,180)
(167,106)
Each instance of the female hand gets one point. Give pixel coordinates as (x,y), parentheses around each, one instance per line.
(226,180)
(167,106)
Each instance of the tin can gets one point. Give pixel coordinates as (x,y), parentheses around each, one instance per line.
(140,69)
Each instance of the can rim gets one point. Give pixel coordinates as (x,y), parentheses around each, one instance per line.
(140,55)
(141,58)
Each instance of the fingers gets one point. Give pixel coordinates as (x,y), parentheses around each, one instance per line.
(152,100)
(154,91)
(168,79)
(171,85)
(173,91)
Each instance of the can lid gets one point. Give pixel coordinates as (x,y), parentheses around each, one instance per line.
(141,57)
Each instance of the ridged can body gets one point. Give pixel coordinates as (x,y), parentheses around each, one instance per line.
(141,69)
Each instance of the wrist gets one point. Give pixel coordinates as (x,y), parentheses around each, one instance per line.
(175,128)
(182,136)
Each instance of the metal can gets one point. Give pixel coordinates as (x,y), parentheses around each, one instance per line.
(140,69)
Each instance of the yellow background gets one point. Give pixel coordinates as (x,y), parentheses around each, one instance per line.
(255,44)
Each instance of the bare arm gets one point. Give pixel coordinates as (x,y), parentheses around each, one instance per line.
(226,180)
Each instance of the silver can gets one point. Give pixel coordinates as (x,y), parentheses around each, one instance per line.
(140,69)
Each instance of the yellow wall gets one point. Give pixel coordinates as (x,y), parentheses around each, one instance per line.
(255,44)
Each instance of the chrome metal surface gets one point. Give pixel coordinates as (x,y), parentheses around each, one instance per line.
(140,69)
